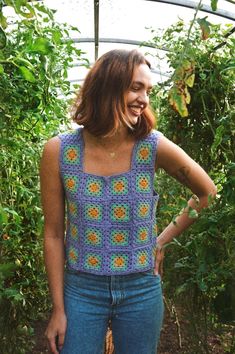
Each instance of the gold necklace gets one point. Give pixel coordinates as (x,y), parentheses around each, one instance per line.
(111,154)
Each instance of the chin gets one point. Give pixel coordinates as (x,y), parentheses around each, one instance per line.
(134,120)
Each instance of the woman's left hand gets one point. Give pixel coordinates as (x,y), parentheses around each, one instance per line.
(159,257)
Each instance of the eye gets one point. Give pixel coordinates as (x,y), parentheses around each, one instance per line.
(134,88)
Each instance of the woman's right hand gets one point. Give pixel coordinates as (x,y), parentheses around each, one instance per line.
(55,331)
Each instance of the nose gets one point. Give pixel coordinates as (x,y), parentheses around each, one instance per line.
(143,98)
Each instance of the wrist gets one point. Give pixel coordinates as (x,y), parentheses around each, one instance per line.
(58,309)
(159,246)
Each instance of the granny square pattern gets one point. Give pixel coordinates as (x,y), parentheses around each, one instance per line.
(119,238)
(93,212)
(120,212)
(71,183)
(92,261)
(71,155)
(119,186)
(94,187)
(111,220)
(93,237)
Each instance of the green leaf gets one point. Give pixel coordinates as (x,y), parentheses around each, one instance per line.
(202,285)
(214,4)
(3,216)
(3,20)
(12,293)
(27,74)
(1,69)
(57,37)
(218,138)
(178,101)
(187,95)
(7,270)
(193,213)
(3,39)
(179,265)
(41,46)
(181,289)
(232,67)
(23,8)
(210,199)
(190,80)
(205,27)
(25,62)
(187,65)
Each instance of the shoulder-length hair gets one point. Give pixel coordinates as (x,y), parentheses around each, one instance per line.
(100,104)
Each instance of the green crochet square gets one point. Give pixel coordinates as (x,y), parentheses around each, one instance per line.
(93,237)
(144,153)
(93,212)
(94,187)
(119,238)
(143,183)
(120,212)
(71,183)
(119,186)
(119,261)
(71,155)
(72,255)
(93,261)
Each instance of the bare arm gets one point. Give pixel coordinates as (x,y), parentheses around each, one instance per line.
(180,166)
(53,208)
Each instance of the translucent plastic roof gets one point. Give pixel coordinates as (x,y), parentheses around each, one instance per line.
(109,24)
(124,23)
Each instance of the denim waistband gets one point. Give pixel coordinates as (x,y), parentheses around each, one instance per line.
(105,277)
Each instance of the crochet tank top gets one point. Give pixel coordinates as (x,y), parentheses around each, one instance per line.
(111,221)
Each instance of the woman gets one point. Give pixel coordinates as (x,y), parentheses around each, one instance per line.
(104,173)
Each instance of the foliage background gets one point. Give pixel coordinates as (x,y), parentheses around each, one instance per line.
(35,54)
(195,109)
(199,266)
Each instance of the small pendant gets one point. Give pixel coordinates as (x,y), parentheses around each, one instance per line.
(112,154)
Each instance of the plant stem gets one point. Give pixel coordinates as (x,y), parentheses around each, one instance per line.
(206,115)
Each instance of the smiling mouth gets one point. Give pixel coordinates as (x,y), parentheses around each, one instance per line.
(136,110)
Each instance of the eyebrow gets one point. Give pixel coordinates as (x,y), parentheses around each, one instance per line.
(141,84)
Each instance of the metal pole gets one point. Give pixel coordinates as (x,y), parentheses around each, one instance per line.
(96,22)
(191,4)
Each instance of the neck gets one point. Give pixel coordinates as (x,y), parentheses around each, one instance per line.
(115,140)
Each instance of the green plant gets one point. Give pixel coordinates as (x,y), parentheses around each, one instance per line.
(196,109)
(35,55)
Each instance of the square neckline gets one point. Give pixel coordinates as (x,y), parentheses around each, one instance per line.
(82,143)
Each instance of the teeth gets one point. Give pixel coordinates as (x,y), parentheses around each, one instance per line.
(135,110)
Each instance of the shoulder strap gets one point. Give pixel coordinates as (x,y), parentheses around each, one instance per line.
(146,150)
(70,150)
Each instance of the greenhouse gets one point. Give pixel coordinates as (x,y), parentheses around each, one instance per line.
(49,51)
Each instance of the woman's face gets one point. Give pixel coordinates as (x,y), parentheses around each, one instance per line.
(137,97)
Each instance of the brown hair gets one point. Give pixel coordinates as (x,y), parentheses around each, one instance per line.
(100,105)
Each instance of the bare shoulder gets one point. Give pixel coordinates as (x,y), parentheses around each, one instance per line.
(52,145)
(170,155)
(52,192)
(50,155)
(177,163)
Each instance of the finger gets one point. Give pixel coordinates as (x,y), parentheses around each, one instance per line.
(61,340)
(156,269)
(157,261)
(52,343)
(161,268)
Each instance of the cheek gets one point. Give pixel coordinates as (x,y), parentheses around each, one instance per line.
(131,96)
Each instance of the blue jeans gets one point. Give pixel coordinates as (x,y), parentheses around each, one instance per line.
(133,303)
